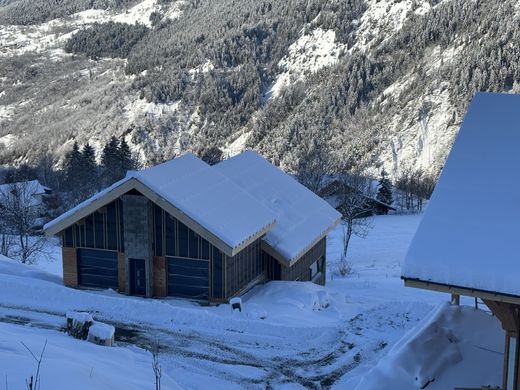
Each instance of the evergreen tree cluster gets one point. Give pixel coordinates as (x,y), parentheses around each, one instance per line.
(83,176)
(29,12)
(106,40)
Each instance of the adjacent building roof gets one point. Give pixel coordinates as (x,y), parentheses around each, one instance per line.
(230,204)
(470,234)
(31,189)
(302,218)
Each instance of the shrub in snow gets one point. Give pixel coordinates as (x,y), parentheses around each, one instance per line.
(78,324)
(101,334)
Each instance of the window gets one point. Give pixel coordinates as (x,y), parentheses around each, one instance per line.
(315,268)
(511,364)
(98,230)
(111,227)
(68,238)
(183,240)
(158,223)
(204,249)
(194,244)
(169,226)
(89,231)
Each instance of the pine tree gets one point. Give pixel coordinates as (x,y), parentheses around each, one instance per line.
(90,182)
(73,169)
(384,193)
(126,161)
(110,162)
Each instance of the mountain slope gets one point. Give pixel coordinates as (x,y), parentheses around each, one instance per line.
(372,83)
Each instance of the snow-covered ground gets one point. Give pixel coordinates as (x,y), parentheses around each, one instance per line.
(289,335)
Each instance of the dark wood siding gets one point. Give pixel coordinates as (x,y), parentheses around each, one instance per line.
(99,230)
(301,269)
(243,268)
(175,240)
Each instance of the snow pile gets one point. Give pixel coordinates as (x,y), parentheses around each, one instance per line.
(102,334)
(79,316)
(442,353)
(289,302)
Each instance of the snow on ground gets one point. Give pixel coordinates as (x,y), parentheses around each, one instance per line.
(69,363)
(289,334)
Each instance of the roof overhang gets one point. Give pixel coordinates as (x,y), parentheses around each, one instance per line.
(290,262)
(134,184)
(458,290)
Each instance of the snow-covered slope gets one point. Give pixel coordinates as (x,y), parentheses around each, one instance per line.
(414,93)
(292,333)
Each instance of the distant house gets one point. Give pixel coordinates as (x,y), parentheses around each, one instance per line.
(462,252)
(30,194)
(188,229)
(334,187)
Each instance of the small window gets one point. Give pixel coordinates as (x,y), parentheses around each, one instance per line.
(183,240)
(194,245)
(315,269)
(169,225)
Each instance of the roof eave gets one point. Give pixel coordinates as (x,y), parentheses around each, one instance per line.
(134,183)
(458,290)
(289,262)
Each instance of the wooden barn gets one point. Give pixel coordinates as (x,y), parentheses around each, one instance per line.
(459,251)
(187,229)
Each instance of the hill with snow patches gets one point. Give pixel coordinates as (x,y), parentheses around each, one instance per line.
(381,83)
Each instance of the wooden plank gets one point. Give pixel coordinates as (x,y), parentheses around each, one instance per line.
(470,292)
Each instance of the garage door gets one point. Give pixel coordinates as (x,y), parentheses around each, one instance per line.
(97,268)
(188,278)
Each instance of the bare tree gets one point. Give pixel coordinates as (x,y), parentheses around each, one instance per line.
(354,192)
(415,186)
(19,211)
(33,383)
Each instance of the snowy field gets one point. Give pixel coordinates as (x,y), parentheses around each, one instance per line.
(365,331)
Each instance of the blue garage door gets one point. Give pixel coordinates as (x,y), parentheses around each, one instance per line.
(97,268)
(188,278)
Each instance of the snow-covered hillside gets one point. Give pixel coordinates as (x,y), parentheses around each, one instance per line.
(289,334)
(388,58)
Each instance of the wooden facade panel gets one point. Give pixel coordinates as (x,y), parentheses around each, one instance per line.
(121,272)
(243,268)
(70,267)
(301,269)
(160,285)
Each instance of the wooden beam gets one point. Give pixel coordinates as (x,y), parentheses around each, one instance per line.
(470,292)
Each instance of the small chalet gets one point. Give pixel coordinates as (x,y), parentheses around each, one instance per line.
(188,229)
(463,248)
(333,189)
(27,194)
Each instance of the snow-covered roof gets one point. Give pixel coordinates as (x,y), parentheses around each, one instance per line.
(469,236)
(30,188)
(213,201)
(302,218)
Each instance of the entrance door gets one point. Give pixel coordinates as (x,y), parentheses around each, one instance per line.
(138,277)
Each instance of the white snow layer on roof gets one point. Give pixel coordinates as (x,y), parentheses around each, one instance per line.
(301,216)
(469,236)
(209,198)
(203,194)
